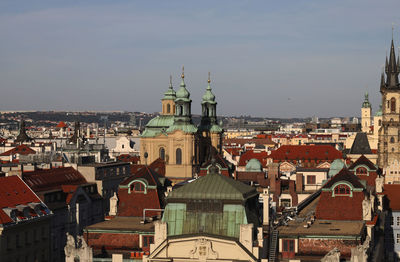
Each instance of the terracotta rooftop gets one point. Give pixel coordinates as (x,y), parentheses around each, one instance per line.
(55,178)
(306,152)
(21,149)
(14,192)
(392,193)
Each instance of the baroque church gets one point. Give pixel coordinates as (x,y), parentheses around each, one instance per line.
(173,137)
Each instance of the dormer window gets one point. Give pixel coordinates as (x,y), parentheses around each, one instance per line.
(342,190)
(361,171)
(138,187)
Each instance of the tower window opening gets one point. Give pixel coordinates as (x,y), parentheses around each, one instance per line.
(168,108)
(392,105)
(162,153)
(178,156)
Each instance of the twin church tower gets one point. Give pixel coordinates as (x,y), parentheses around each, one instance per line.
(173,137)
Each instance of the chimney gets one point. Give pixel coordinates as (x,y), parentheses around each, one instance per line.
(265,197)
(299,182)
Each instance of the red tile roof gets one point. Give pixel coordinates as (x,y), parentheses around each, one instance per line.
(306,152)
(260,156)
(62,124)
(55,178)
(341,207)
(21,149)
(128,158)
(14,192)
(392,193)
(363,160)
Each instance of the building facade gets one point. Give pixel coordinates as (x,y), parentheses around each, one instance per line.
(388,145)
(173,137)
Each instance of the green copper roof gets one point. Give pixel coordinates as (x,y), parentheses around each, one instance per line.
(366,103)
(182,220)
(186,127)
(158,125)
(216,129)
(216,187)
(379,112)
(336,166)
(170,94)
(208,97)
(254,166)
(183,93)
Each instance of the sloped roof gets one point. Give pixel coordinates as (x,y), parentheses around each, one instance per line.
(21,149)
(62,124)
(48,179)
(151,176)
(361,145)
(363,160)
(392,193)
(299,152)
(214,186)
(344,175)
(250,154)
(14,192)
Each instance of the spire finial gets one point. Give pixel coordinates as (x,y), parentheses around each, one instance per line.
(183,72)
(392,29)
(209,77)
(170,81)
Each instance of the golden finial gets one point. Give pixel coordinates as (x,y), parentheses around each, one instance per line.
(209,78)
(183,72)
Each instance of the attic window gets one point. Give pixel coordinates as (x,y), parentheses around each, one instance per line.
(342,190)
(361,171)
(138,187)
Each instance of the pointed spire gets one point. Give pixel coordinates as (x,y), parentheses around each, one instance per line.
(382,79)
(209,81)
(170,82)
(391,68)
(183,76)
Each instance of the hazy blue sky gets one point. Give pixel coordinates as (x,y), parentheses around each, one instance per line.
(267,58)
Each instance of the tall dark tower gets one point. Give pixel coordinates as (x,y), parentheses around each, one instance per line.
(210,132)
(388,141)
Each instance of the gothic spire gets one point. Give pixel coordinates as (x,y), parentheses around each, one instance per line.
(391,69)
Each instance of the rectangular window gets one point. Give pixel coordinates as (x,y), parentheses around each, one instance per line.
(285,202)
(288,245)
(311,180)
(397,238)
(147,240)
(398,221)
(392,221)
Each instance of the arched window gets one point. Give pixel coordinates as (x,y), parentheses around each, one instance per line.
(181,110)
(137,187)
(392,139)
(168,108)
(178,156)
(342,190)
(361,171)
(392,105)
(380,122)
(162,153)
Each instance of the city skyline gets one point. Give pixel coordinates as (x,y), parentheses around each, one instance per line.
(266,59)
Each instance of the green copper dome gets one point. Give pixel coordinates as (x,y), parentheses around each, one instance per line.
(366,103)
(208,97)
(254,166)
(183,93)
(170,94)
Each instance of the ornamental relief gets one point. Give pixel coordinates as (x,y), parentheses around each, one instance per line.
(203,250)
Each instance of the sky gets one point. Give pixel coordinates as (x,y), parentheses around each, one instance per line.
(286,59)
